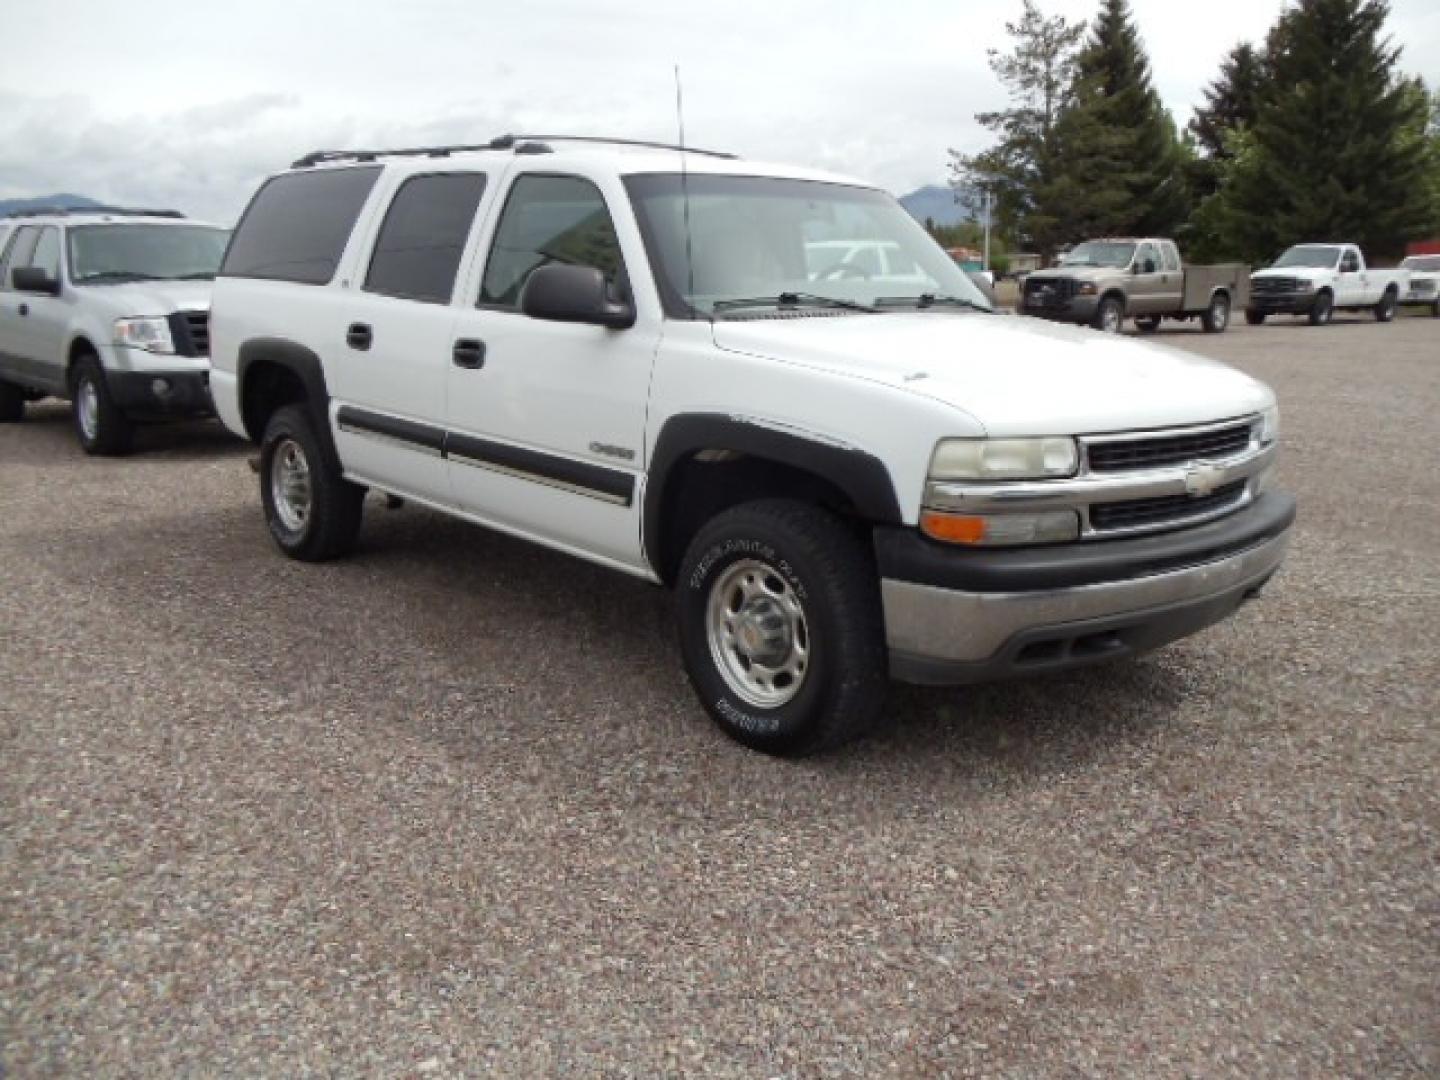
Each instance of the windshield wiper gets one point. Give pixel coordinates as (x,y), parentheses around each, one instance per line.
(928,300)
(114,276)
(790,300)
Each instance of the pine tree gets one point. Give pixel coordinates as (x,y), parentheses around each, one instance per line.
(1337,148)
(1117,137)
(1019,170)
(1231,101)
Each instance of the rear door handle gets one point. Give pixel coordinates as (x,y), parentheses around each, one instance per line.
(469,353)
(359,336)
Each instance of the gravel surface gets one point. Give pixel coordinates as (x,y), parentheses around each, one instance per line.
(448,807)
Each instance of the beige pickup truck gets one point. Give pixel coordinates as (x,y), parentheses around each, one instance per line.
(1101,282)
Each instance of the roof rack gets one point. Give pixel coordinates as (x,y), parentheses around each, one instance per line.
(519,144)
(77,211)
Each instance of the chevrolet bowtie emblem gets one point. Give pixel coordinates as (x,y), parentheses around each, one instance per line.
(1203,479)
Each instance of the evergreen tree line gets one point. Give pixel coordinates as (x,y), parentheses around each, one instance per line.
(1314,135)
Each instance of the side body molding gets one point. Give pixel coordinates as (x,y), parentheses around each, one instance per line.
(862,477)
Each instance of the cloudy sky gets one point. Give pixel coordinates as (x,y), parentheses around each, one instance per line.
(189,104)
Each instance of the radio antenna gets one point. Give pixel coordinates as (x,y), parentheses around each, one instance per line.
(684,191)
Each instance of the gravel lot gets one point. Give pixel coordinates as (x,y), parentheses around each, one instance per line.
(448,807)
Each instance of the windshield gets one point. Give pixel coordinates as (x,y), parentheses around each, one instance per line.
(137,251)
(756,244)
(1100,253)
(1317,258)
(1427,263)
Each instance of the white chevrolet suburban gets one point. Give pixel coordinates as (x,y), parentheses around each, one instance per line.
(107,307)
(1317,280)
(640,356)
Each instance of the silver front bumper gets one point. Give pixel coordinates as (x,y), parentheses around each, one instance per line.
(942,635)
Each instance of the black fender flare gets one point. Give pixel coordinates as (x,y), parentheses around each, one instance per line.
(302,363)
(861,476)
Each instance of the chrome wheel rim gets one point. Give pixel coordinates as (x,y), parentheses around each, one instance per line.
(87,408)
(1220,313)
(290,485)
(1110,319)
(759,635)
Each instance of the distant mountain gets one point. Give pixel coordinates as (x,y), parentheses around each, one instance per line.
(936,202)
(40,202)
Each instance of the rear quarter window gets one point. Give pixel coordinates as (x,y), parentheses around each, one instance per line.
(296,227)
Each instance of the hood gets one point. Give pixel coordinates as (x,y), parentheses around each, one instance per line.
(141,299)
(1080,273)
(1304,272)
(1015,375)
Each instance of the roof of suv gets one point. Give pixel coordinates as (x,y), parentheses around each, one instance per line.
(622,156)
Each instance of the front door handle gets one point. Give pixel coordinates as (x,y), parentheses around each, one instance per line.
(469,353)
(359,336)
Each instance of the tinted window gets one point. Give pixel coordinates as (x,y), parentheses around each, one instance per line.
(296,227)
(549,219)
(17,253)
(418,252)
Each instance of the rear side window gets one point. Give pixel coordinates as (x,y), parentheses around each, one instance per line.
(550,219)
(296,227)
(418,251)
(1171,257)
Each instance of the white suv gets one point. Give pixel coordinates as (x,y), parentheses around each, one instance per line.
(623,352)
(110,308)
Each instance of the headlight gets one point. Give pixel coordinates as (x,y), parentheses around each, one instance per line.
(152,335)
(1270,425)
(1302,285)
(1004,459)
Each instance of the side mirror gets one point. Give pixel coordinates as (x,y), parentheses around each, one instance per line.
(33,279)
(564,293)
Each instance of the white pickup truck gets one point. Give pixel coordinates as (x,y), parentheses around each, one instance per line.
(631,354)
(1317,280)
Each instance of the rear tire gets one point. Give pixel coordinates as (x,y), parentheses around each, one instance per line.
(1147,324)
(1109,315)
(12,403)
(778,606)
(1322,309)
(1217,315)
(313,512)
(100,426)
(1385,309)
(1253,317)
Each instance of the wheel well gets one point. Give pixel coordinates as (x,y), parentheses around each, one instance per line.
(79,347)
(708,482)
(1115,294)
(268,386)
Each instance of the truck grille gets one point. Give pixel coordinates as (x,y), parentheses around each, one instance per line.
(1130,454)
(1049,291)
(1166,509)
(1262,286)
(191,332)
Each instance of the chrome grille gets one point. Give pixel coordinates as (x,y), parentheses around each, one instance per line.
(1145,453)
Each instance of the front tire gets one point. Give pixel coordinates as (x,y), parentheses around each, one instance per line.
(1322,309)
(781,629)
(1253,317)
(313,512)
(1109,315)
(12,403)
(1385,309)
(100,426)
(1217,315)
